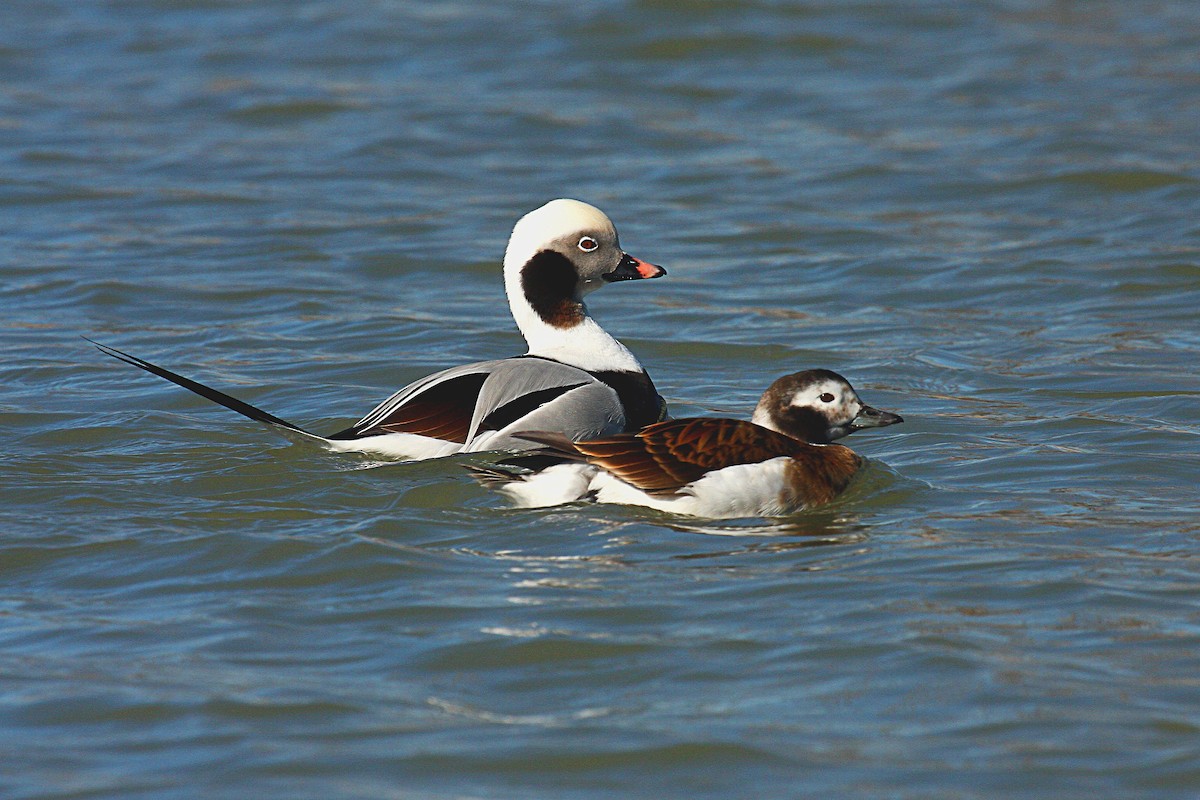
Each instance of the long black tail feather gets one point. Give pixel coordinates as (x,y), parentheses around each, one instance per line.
(517,467)
(492,477)
(207,392)
(553,442)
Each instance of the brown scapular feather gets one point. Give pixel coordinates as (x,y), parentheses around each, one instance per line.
(664,457)
(443,411)
(426,419)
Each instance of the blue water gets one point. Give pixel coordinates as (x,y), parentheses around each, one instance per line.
(984,214)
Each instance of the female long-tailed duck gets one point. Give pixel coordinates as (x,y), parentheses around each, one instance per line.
(576,380)
(782,461)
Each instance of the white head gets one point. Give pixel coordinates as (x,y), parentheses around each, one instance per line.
(557,254)
(817,406)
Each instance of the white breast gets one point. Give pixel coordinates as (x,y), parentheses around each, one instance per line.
(744,490)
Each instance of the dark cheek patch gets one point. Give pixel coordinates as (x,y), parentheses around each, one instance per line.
(549,281)
(806,424)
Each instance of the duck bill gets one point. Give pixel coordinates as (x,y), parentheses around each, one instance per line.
(633,269)
(874,418)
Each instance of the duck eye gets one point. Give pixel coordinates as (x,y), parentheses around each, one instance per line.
(826,398)
(587,244)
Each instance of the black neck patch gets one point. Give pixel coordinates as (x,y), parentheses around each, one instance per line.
(638,397)
(549,282)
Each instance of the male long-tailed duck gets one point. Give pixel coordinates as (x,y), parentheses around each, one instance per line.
(576,380)
(780,462)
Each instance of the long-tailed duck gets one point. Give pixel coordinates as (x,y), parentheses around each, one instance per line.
(780,462)
(576,380)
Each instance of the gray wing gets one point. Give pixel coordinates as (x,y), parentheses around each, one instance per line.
(439,405)
(580,407)
(470,404)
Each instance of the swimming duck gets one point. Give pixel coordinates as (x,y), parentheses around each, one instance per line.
(575,380)
(781,461)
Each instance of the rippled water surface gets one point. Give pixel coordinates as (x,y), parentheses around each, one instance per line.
(983,213)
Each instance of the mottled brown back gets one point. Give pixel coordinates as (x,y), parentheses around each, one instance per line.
(664,457)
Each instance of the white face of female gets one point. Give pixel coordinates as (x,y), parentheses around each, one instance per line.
(834,400)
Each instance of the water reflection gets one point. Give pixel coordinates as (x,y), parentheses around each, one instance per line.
(781,536)
(811,526)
